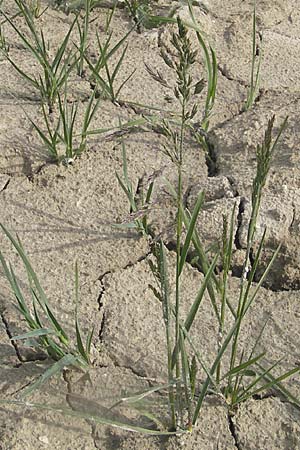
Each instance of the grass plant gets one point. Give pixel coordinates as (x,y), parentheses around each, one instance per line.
(54,71)
(46,332)
(83,35)
(60,140)
(185,400)
(138,210)
(105,83)
(255,66)
(110,16)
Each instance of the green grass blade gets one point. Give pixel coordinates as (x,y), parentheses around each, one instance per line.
(80,345)
(214,366)
(238,370)
(36,314)
(22,307)
(95,418)
(22,73)
(124,82)
(49,143)
(103,51)
(60,331)
(213,282)
(135,398)
(33,334)
(89,341)
(190,230)
(186,378)
(36,52)
(280,387)
(67,360)
(62,49)
(277,380)
(30,271)
(196,304)
(272,383)
(197,355)
(127,125)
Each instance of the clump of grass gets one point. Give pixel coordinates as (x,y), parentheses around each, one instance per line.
(184,360)
(138,207)
(83,35)
(60,139)
(235,390)
(45,330)
(105,84)
(55,72)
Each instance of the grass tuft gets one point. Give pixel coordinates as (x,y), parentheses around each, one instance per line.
(45,330)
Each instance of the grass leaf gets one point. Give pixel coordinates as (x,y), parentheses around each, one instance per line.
(190,230)
(57,367)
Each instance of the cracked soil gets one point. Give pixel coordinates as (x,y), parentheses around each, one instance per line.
(63,214)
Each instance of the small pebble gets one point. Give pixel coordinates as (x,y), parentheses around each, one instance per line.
(44,440)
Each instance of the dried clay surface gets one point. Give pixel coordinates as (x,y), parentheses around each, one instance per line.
(63,213)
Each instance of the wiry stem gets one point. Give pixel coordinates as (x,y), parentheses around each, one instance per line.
(264,155)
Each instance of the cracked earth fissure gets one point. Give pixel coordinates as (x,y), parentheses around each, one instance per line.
(232,430)
(211,160)
(241,210)
(5,185)
(101,305)
(9,334)
(224,72)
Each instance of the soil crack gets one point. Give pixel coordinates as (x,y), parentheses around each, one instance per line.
(9,334)
(139,260)
(224,72)
(211,160)
(293,217)
(5,185)
(101,304)
(232,430)
(241,211)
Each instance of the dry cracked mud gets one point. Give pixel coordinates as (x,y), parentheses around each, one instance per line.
(63,214)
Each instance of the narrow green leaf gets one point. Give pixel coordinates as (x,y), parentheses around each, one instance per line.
(67,360)
(89,342)
(60,331)
(80,345)
(190,230)
(240,369)
(27,264)
(281,388)
(214,366)
(95,418)
(195,306)
(33,334)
